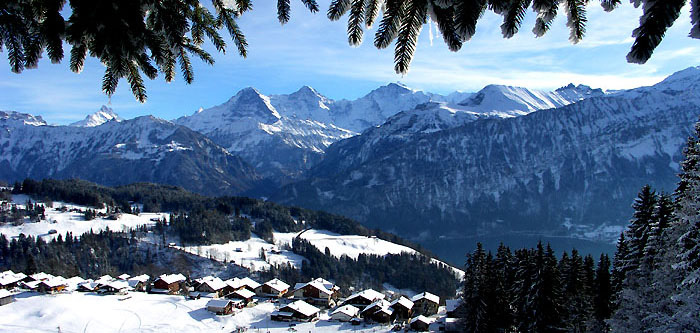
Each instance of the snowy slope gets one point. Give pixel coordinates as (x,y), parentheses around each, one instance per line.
(141,149)
(280,146)
(340,245)
(580,164)
(141,312)
(73,221)
(98,118)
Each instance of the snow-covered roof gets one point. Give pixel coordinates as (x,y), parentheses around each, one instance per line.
(302,307)
(53,283)
(246,281)
(381,304)
(234,283)
(277,284)
(140,278)
(421,318)
(8,277)
(369,294)
(213,282)
(104,279)
(117,284)
(124,276)
(428,296)
(89,285)
(172,278)
(41,276)
(218,303)
(4,293)
(244,293)
(327,284)
(403,301)
(347,309)
(452,304)
(32,284)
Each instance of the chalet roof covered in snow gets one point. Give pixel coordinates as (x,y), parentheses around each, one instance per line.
(370,294)
(218,303)
(55,282)
(248,282)
(349,310)
(379,304)
(277,284)
(421,318)
(124,276)
(4,293)
(172,278)
(428,296)
(140,278)
(213,282)
(403,301)
(302,307)
(41,276)
(8,277)
(244,293)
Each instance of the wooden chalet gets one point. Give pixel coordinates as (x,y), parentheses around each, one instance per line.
(425,304)
(249,284)
(297,311)
(420,323)
(220,306)
(139,283)
(274,288)
(378,312)
(11,280)
(168,284)
(88,286)
(345,313)
(317,292)
(116,287)
(210,286)
(244,295)
(403,308)
(6,297)
(51,286)
(364,298)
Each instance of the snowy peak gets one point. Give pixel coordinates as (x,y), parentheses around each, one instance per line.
(17,118)
(514,101)
(304,104)
(105,114)
(681,80)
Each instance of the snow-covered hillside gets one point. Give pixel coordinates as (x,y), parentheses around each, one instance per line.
(343,245)
(64,217)
(141,312)
(98,118)
(141,149)
(580,164)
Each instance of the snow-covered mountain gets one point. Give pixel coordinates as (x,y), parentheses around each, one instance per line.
(576,164)
(280,145)
(144,149)
(98,118)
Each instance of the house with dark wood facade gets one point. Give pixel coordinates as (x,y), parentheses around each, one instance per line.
(168,284)
(425,304)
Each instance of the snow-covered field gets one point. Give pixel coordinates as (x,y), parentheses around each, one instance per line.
(74,222)
(246,253)
(339,245)
(140,312)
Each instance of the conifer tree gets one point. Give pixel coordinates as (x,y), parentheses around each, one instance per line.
(603,295)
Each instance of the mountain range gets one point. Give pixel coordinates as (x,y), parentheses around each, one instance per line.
(566,162)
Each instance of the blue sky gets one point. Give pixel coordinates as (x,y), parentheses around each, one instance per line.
(311,50)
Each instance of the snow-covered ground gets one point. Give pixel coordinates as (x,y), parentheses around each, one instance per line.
(74,222)
(140,312)
(246,253)
(339,245)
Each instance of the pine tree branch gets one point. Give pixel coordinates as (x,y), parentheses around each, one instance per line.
(546,12)
(445,19)
(355,22)
(414,18)
(77,57)
(337,9)
(136,82)
(283,8)
(312,5)
(695,19)
(372,11)
(467,13)
(609,5)
(391,21)
(513,17)
(657,17)
(576,19)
